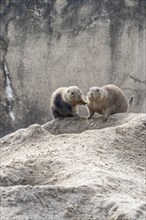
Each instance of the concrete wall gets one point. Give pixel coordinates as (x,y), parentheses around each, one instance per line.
(47,44)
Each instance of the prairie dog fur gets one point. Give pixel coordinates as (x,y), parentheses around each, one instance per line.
(107,100)
(64,102)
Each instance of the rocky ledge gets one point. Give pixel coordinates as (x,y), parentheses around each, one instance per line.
(75,169)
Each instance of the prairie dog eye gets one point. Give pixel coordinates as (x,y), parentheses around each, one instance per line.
(97,90)
(72,93)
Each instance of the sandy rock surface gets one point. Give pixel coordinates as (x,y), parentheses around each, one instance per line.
(75,169)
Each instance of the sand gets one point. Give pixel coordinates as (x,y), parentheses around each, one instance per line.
(75,170)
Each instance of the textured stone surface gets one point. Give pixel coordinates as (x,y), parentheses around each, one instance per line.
(47,44)
(98,174)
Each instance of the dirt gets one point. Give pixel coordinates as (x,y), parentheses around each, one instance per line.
(75,169)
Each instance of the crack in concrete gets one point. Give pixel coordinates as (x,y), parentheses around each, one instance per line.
(137,80)
(9,91)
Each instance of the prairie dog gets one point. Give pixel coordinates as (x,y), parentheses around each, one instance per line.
(64,102)
(107,100)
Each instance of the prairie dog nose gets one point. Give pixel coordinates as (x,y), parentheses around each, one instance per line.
(78,97)
(90,94)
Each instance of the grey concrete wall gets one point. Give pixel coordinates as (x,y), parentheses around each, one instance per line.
(47,44)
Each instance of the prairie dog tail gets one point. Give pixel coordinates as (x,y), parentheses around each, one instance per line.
(130,102)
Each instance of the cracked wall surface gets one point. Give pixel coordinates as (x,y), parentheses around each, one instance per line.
(47,44)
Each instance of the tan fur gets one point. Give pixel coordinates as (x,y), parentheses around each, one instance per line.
(71,95)
(107,100)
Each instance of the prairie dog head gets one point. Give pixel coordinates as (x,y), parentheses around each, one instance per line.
(96,93)
(74,95)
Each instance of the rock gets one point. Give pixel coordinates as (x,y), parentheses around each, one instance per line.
(75,169)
